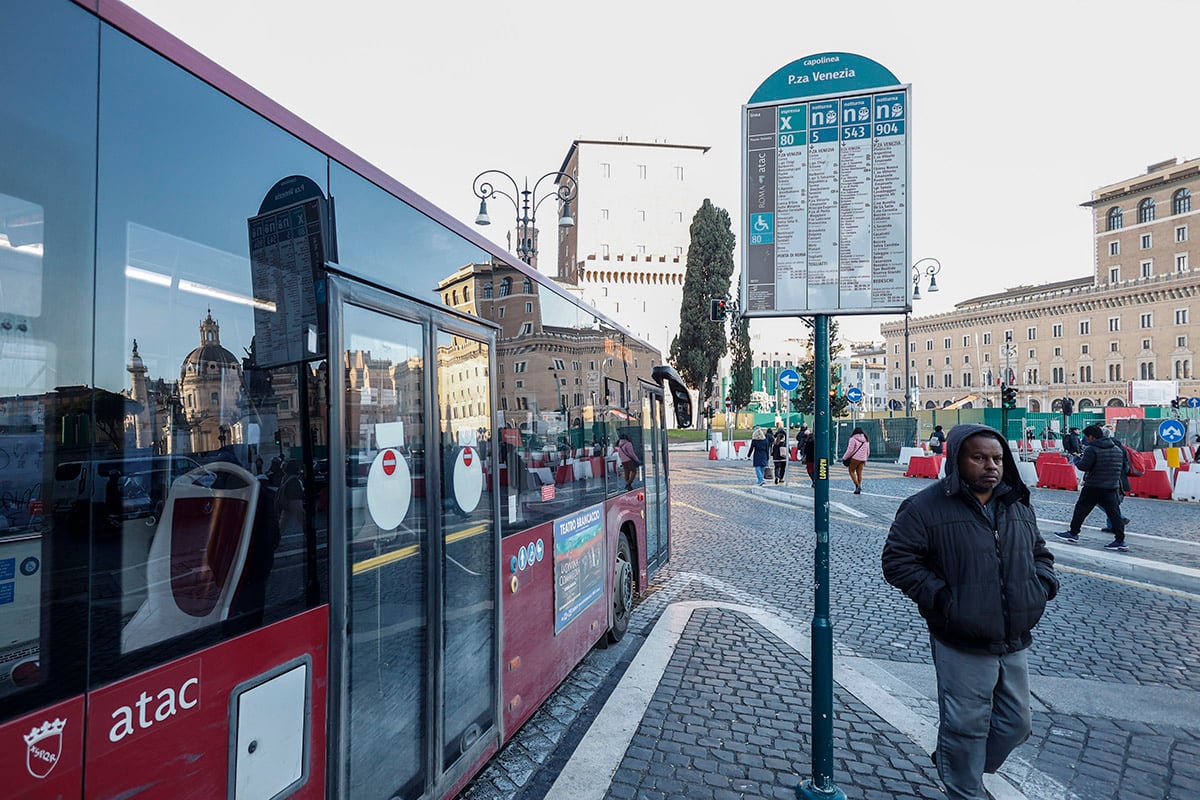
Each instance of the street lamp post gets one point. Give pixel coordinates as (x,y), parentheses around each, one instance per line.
(526,202)
(931,268)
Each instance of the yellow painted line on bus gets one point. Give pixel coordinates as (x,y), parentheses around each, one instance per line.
(386,558)
(466,533)
(376,562)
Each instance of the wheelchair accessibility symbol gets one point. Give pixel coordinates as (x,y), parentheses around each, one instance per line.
(762,228)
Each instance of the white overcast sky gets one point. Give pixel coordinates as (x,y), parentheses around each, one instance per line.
(1019,109)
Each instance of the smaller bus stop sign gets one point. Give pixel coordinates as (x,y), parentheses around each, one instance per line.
(789,379)
(1171,431)
(854,394)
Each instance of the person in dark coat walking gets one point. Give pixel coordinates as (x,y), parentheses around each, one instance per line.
(1072,445)
(968,552)
(810,457)
(759,453)
(1104,464)
(779,454)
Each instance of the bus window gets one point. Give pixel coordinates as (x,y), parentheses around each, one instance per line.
(186,328)
(47,190)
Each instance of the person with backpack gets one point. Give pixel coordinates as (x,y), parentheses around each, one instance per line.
(779,454)
(1104,463)
(936,440)
(1131,470)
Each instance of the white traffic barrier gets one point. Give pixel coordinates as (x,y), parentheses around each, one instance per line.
(1187,486)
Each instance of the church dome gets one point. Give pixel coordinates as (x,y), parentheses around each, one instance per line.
(210,357)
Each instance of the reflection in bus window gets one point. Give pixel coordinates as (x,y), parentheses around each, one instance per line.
(47,215)
(564,394)
(387,524)
(22,511)
(463,386)
(197,554)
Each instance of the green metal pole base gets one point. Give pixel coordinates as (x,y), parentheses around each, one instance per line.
(809,791)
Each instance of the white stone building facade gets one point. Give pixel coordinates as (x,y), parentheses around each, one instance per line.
(627,252)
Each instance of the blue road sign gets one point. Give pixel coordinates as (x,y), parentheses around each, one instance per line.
(854,394)
(789,379)
(1193,402)
(1171,431)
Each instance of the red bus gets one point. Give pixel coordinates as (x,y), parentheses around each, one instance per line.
(306,490)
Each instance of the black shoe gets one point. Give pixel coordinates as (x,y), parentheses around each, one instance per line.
(858,490)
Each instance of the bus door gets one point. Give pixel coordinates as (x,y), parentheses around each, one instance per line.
(655,461)
(415,621)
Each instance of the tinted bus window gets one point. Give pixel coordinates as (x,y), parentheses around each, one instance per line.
(384,240)
(211,518)
(47,172)
(565,393)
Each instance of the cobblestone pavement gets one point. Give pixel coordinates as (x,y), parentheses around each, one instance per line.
(1115,661)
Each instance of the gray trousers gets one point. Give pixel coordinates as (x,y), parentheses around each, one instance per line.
(983,715)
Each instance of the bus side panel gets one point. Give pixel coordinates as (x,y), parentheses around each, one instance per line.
(628,509)
(535,660)
(41,754)
(165,733)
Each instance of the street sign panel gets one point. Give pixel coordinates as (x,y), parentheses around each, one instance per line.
(1171,431)
(1194,402)
(854,394)
(826,190)
(789,379)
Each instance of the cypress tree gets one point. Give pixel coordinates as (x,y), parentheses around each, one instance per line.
(698,348)
(742,368)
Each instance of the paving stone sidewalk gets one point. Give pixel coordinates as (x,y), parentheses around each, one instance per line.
(731,719)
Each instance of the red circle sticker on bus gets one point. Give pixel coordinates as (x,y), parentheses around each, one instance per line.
(467,456)
(389,462)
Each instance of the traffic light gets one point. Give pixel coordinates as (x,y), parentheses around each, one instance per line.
(1008,395)
(718,309)
(1068,405)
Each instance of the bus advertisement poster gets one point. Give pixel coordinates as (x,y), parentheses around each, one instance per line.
(578,564)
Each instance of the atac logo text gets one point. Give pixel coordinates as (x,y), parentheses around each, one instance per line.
(151,707)
(43,747)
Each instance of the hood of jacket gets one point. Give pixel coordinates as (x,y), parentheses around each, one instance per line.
(1103,443)
(952,484)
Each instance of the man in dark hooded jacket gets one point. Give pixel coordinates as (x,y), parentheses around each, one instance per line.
(1104,465)
(968,552)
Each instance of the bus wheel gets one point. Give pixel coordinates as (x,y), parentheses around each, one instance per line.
(622,590)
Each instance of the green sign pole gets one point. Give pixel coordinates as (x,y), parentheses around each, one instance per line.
(821,785)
